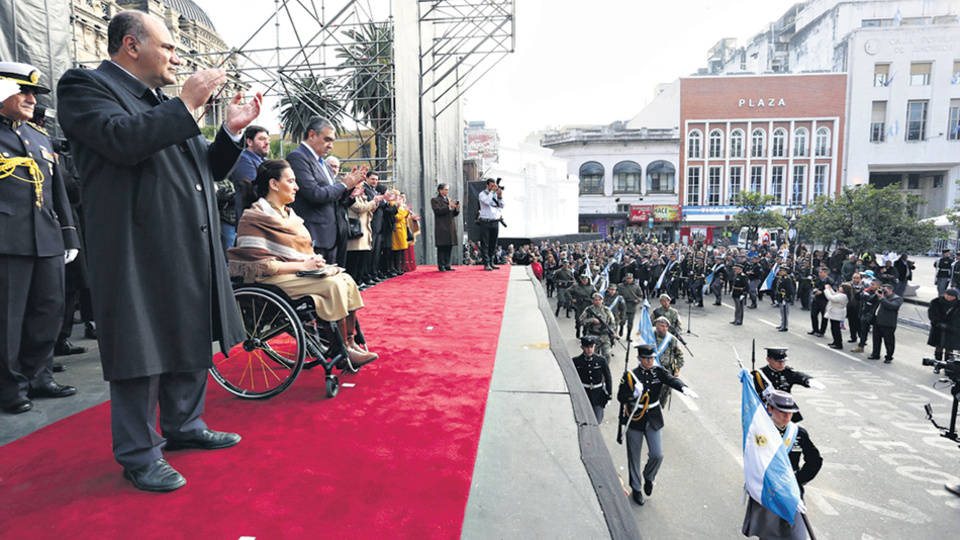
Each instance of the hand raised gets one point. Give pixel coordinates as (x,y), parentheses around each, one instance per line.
(198,88)
(240,116)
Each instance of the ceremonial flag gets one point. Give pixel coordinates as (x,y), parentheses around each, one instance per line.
(767,472)
(606,279)
(646,326)
(768,282)
(588,271)
(707,281)
(619,255)
(663,275)
(898,18)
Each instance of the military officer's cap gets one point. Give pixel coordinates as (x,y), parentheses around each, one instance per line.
(738,265)
(596,295)
(665,296)
(588,341)
(23,74)
(785,268)
(661,319)
(628,275)
(777,353)
(645,350)
(611,286)
(782,401)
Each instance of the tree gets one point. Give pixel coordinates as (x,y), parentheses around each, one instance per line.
(869,220)
(306,97)
(371,56)
(754,214)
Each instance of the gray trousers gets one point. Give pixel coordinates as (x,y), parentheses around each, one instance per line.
(942,285)
(738,309)
(598,411)
(784,314)
(754,287)
(133,414)
(654,456)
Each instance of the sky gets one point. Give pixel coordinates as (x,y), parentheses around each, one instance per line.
(576,61)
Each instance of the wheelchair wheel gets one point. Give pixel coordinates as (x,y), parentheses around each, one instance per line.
(271,356)
(333,386)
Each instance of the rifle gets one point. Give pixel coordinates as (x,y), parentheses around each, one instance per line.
(623,418)
(680,339)
(613,335)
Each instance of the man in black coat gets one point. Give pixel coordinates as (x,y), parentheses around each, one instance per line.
(944,313)
(38,231)
(160,288)
(886,325)
(445,212)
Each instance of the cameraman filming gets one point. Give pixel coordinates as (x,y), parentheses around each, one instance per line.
(491,201)
(944,313)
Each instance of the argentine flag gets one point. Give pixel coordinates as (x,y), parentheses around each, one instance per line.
(646,326)
(767,472)
(768,282)
(664,274)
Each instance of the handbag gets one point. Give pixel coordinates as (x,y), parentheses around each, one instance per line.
(354,228)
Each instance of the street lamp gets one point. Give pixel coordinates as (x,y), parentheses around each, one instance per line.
(792,213)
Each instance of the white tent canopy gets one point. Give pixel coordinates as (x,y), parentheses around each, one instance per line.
(939,221)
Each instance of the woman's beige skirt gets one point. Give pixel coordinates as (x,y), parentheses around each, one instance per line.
(334,296)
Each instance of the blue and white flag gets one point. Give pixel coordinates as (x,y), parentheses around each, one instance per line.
(588,272)
(604,279)
(619,255)
(767,472)
(646,326)
(897,17)
(663,275)
(768,282)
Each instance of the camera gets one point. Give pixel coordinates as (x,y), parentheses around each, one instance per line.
(499,186)
(61,146)
(949,367)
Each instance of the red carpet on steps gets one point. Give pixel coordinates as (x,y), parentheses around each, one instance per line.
(391,457)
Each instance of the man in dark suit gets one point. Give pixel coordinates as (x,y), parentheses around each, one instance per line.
(161,293)
(320,192)
(886,326)
(445,214)
(38,230)
(257,140)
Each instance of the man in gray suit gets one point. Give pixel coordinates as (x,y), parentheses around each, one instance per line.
(161,293)
(320,192)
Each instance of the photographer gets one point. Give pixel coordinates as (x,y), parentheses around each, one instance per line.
(886,324)
(491,201)
(944,313)
(445,212)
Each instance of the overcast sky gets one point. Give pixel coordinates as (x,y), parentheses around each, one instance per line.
(576,61)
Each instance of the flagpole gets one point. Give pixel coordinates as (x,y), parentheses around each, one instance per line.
(806,523)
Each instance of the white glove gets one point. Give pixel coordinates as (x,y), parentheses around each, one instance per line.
(70,255)
(637,390)
(8,88)
(816,385)
(689,393)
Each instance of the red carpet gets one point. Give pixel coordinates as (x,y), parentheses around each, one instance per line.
(391,457)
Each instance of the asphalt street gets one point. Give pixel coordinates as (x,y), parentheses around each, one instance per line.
(884,463)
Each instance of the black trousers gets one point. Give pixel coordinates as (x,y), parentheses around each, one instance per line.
(836,333)
(886,335)
(373,260)
(31,315)
(356,262)
(489,232)
(133,413)
(443,256)
(818,316)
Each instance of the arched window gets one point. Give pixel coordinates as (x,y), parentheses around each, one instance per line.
(591,178)
(693,144)
(800,142)
(823,142)
(779,146)
(661,177)
(736,143)
(626,177)
(716,144)
(757,143)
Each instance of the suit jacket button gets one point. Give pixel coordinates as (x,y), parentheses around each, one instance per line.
(199,187)
(203,228)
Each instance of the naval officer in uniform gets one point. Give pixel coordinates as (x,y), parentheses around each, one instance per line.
(594,373)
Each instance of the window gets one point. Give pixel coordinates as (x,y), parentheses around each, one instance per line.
(875,23)
(776,183)
(779,146)
(800,142)
(938,181)
(591,178)
(756,179)
(953,121)
(822,144)
(799,178)
(820,180)
(913,181)
(623,208)
(713,189)
(878,121)
(693,145)
(757,143)
(920,73)
(693,186)
(736,143)
(661,177)
(881,74)
(917,120)
(736,182)
(716,144)
(626,177)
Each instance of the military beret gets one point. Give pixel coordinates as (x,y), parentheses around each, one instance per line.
(628,275)
(661,319)
(665,296)
(596,295)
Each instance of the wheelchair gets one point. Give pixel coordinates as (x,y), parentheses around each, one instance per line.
(283,337)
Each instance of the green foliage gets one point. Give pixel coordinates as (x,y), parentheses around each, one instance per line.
(209,132)
(276,153)
(303,98)
(754,213)
(869,220)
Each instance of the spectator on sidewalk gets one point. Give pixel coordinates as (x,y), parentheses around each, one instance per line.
(886,325)
(944,313)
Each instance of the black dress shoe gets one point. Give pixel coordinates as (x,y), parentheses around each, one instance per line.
(495,267)
(887,360)
(851,341)
(637,497)
(205,440)
(872,357)
(64,348)
(783,330)
(812,333)
(58,367)
(441,269)
(17,406)
(89,330)
(647,488)
(835,346)
(156,476)
(52,390)
(451,269)
(488,268)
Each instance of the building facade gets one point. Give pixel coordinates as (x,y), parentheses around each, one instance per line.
(779,135)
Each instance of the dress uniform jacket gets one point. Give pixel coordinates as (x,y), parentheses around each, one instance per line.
(780,380)
(649,413)
(155,260)
(594,373)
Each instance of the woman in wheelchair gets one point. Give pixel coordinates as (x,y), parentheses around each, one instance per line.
(273,245)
